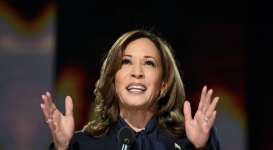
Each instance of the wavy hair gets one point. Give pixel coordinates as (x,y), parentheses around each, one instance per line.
(169,102)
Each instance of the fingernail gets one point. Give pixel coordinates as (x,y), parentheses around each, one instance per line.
(189,103)
(41,106)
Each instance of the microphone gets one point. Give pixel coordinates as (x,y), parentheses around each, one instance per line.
(126,137)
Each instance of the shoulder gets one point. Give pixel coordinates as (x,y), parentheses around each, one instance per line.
(214,137)
(83,141)
(80,136)
(169,141)
(212,143)
(213,131)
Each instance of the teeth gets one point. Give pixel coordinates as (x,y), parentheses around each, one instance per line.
(136,88)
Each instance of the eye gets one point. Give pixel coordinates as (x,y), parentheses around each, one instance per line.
(150,63)
(126,62)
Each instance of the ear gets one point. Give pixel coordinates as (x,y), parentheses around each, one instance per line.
(162,86)
(162,89)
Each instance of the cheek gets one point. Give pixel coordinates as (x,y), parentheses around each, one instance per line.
(155,79)
(118,80)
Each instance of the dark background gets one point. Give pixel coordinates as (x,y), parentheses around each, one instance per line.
(227,41)
(223,37)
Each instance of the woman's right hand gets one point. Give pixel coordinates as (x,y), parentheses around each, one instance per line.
(62,127)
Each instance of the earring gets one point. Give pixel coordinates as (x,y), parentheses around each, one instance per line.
(161,93)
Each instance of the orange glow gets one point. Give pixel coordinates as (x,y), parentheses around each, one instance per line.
(72,81)
(24,26)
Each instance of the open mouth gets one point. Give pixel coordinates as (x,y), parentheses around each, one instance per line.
(136,88)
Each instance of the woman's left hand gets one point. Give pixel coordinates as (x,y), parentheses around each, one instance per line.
(198,128)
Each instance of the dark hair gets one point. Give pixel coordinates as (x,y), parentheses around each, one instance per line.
(169,103)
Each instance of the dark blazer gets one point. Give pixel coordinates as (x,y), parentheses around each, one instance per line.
(80,141)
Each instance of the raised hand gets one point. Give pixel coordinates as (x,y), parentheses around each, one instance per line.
(198,128)
(62,127)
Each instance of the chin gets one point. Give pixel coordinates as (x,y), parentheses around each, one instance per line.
(137,103)
(134,104)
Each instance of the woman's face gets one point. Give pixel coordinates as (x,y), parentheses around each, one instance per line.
(138,82)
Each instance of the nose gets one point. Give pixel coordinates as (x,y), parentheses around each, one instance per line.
(137,72)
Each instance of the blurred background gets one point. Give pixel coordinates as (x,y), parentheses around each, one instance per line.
(57,46)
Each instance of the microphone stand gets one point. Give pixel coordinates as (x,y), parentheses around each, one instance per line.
(125,144)
(124,147)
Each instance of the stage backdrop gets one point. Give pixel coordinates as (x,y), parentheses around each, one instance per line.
(58,46)
(27,45)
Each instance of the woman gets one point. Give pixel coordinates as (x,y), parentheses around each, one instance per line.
(139,87)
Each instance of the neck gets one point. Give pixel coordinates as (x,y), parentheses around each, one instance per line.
(137,119)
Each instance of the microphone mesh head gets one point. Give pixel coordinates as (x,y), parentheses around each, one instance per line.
(126,136)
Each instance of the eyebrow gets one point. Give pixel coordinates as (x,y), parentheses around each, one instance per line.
(144,56)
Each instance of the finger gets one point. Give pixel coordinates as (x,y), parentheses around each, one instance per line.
(51,104)
(49,98)
(211,120)
(187,111)
(46,112)
(212,107)
(48,117)
(207,101)
(68,106)
(46,102)
(54,108)
(203,94)
(51,125)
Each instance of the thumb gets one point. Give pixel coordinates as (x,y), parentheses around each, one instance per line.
(187,111)
(68,106)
